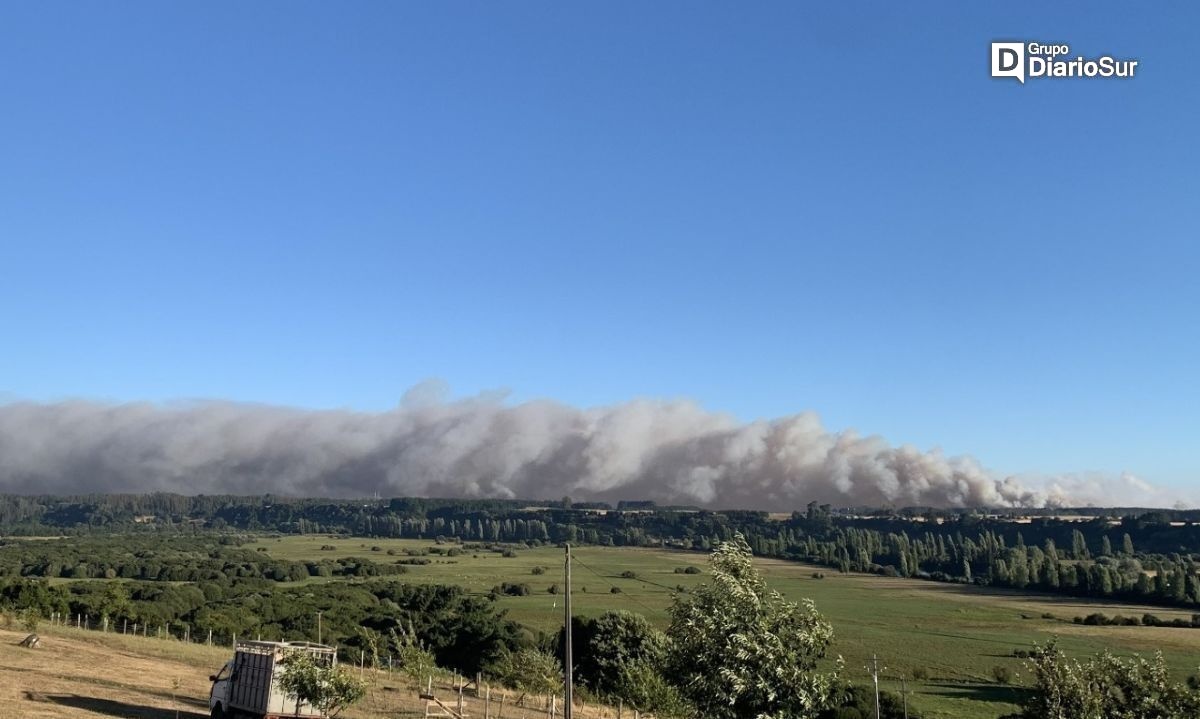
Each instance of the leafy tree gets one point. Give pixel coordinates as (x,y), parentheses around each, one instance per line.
(327,688)
(413,658)
(1105,687)
(620,655)
(741,651)
(641,685)
(529,670)
(858,702)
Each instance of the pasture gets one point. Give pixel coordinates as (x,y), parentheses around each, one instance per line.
(946,640)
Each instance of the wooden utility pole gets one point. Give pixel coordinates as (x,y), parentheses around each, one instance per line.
(569,705)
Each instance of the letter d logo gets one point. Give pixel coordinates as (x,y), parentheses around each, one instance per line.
(1008,60)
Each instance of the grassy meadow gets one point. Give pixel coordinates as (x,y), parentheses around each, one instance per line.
(946,640)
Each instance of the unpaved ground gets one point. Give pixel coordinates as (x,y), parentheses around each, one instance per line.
(73,677)
(84,675)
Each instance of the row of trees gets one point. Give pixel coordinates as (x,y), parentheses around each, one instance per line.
(1141,558)
(461,631)
(170,558)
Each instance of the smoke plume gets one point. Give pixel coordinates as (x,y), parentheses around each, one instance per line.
(669,451)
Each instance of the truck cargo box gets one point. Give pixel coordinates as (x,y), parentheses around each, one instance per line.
(253,680)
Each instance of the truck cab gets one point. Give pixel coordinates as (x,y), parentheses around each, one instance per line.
(218,696)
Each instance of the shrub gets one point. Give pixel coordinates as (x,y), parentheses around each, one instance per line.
(615,590)
(538,570)
(30,618)
(511,589)
(629,574)
(1001,674)
(529,670)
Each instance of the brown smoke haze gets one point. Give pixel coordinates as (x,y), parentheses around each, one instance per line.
(670,451)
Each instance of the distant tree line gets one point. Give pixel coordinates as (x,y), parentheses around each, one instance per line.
(171,558)
(1140,557)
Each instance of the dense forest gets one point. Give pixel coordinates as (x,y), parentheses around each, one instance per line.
(1141,555)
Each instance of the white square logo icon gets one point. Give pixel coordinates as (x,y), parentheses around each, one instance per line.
(1008,60)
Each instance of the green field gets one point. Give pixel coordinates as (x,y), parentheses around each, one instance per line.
(956,634)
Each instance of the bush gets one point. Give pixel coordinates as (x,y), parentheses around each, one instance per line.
(538,570)
(529,670)
(30,619)
(919,674)
(615,590)
(1001,674)
(511,589)
(629,574)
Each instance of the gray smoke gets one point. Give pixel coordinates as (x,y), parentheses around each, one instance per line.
(669,451)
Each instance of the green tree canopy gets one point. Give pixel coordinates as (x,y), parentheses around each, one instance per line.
(741,651)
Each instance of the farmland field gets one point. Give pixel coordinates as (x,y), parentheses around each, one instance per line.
(955,635)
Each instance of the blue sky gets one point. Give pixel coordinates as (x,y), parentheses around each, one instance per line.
(768,208)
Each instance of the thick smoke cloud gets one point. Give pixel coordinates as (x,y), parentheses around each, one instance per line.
(669,451)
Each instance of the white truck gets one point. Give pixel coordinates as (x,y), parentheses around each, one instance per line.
(248,685)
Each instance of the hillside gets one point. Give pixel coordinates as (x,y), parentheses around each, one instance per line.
(83,675)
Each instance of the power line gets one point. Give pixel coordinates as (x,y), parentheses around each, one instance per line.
(630,597)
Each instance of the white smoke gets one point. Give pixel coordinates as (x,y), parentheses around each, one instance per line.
(669,451)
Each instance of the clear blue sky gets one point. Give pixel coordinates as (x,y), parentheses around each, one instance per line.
(769,208)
